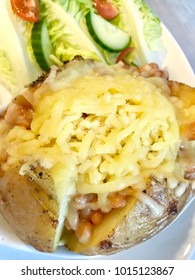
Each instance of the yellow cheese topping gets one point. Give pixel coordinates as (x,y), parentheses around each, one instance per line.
(108,132)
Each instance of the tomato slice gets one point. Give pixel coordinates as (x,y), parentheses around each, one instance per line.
(106,9)
(28,10)
(123,54)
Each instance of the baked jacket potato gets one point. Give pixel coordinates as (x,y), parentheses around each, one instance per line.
(96,158)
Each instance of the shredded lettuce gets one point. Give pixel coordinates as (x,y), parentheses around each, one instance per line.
(68,39)
(144,26)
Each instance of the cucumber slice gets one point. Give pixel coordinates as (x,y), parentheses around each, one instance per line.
(107,35)
(41,45)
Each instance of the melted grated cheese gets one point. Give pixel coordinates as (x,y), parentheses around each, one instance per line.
(112,128)
(156,209)
(181,189)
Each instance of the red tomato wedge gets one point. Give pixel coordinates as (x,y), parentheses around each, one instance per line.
(28,10)
(106,9)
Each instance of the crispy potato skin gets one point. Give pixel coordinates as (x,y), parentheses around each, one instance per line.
(137,224)
(29,210)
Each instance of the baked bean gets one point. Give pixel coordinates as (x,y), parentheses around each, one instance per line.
(84,231)
(96,217)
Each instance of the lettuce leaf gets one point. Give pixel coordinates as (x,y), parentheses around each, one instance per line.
(144,26)
(69,35)
(135,18)
(7,77)
(64,20)
(17,66)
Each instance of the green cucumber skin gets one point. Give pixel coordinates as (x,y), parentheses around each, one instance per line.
(96,38)
(37,46)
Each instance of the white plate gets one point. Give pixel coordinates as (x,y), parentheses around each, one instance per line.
(175,242)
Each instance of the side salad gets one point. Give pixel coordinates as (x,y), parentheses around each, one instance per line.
(36,34)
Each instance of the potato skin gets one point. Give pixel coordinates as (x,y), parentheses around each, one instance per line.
(29,210)
(138,224)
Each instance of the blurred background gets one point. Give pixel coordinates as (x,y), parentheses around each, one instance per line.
(179,17)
